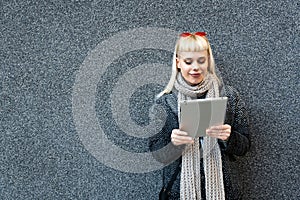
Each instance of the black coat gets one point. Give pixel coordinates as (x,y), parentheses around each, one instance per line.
(237,145)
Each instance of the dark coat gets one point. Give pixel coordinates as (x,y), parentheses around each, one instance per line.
(237,145)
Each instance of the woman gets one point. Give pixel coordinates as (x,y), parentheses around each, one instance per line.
(204,172)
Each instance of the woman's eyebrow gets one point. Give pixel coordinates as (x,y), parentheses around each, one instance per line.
(202,57)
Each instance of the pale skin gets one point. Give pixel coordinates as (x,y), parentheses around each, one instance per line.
(193,67)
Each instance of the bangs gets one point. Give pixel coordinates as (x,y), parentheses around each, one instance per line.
(192,44)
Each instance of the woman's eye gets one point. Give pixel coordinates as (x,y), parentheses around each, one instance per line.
(201,60)
(188,63)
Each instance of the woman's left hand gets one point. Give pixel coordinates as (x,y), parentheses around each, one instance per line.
(221,131)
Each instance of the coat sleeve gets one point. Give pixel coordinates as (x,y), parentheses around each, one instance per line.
(164,115)
(237,116)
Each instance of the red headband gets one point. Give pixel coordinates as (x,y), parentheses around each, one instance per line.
(186,34)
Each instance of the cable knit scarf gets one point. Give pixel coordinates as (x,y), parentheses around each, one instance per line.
(190,182)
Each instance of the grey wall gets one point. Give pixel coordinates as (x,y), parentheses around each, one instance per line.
(44,45)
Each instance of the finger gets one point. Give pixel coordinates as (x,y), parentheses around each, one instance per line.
(213,131)
(220,127)
(181,142)
(218,134)
(179,132)
(177,140)
(182,138)
(224,135)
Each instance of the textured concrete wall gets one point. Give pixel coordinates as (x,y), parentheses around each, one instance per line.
(63,87)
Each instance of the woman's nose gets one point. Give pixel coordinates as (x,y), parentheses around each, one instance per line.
(195,67)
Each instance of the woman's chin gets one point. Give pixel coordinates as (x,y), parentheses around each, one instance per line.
(195,82)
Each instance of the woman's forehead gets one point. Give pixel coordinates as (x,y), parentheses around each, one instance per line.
(192,54)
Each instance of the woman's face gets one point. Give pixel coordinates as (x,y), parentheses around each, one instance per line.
(193,66)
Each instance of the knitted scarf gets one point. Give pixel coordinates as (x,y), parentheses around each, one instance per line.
(190,182)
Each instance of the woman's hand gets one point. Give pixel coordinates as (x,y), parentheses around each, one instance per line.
(179,137)
(221,132)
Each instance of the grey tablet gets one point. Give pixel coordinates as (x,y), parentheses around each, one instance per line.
(199,114)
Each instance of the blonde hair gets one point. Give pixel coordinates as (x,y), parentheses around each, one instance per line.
(192,43)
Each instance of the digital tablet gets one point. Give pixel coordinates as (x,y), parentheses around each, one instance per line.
(199,114)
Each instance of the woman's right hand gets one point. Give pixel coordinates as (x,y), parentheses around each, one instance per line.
(179,137)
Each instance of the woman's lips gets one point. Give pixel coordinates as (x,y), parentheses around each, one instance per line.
(196,75)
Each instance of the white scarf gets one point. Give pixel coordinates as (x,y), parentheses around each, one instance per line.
(190,182)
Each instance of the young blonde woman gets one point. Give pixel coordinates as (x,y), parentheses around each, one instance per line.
(203,164)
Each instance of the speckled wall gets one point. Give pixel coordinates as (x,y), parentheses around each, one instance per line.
(78,79)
